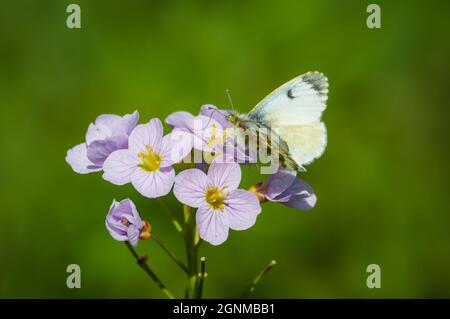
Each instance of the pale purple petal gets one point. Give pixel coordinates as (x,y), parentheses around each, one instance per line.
(285,188)
(198,124)
(301,202)
(114,221)
(153,184)
(108,125)
(144,135)
(120,166)
(190,187)
(194,141)
(297,187)
(117,230)
(114,224)
(179,119)
(134,213)
(108,122)
(229,153)
(78,160)
(133,234)
(175,146)
(93,134)
(127,209)
(202,128)
(213,112)
(130,121)
(224,175)
(105,125)
(99,150)
(212,225)
(242,207)
(278,183)
(299,195)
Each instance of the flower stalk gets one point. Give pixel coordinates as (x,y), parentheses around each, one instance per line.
(169,213)
(258,278)
(142,262)
(192,241)
(201,278)
(172,256)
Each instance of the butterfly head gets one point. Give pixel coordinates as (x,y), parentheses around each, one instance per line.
(234,118)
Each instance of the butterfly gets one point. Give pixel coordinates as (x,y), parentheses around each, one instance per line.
(293,111)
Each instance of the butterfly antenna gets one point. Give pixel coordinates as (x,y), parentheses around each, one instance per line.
(229,99)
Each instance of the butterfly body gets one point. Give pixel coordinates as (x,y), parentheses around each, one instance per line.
(265,136)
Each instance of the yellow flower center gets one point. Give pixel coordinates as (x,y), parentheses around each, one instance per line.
(214,139)
(226,133)
(150,161)
(215,197)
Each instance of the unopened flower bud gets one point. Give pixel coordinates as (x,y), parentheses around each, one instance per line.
(256,190)
(145,230)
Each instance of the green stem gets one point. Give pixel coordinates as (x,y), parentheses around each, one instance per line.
(201,278)
(172,256)
(142,262)
(257,279)
(171,216)
(191,240)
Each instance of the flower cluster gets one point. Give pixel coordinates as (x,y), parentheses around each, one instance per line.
(140,154)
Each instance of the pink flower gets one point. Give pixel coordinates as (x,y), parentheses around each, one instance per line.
(181,119)
(147,162)
(212,134)
(221,205)
(109,133)
(124,223)
(207,134)
(285,188)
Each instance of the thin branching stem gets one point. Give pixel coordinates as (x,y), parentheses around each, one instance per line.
(172,256)
(142,262)
(191,242)
(258,278)
(201,278)
(167,210)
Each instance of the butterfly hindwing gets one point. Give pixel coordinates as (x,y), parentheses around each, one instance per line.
(305,142)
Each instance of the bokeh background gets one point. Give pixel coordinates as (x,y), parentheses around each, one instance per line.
(382,184)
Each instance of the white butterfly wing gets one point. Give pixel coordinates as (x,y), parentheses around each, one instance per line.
(305,142)
(294,110)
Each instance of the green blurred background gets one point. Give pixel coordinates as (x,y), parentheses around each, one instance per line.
(382,184)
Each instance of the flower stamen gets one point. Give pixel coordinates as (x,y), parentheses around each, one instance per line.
(215,197)
(215,139)
(150,160)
